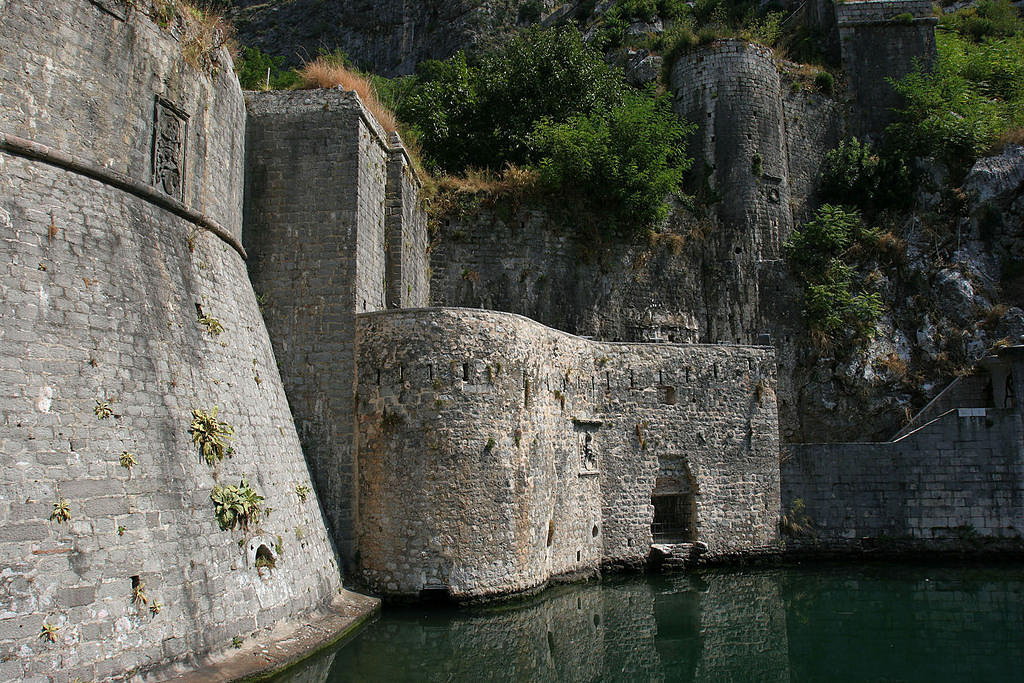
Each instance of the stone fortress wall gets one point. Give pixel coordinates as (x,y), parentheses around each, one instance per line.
(120,214)
(881,40)
(957,474)
(334,229)
(496,453)
(760,145)
(469,452)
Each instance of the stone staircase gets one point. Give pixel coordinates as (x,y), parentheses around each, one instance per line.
(672,557)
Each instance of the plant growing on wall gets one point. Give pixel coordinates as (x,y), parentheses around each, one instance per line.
(61,511)
(212,325)
(210,435)
(237,505)
(839,309)
(103,409)
(49,632)
(796,522)
(127,460)
(302,491)
(155,607)
(139,594)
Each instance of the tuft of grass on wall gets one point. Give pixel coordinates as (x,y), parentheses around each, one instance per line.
(327,71)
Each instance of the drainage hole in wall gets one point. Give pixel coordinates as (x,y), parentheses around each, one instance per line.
(264,558)
(578,555)
(595,530)
(551,531)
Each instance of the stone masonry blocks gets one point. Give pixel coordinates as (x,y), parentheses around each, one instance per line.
(472,428)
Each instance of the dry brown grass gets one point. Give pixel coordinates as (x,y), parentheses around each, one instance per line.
(993,315)
(1014,136)
(203,30)
(894,365)
(511,181)
(324,72)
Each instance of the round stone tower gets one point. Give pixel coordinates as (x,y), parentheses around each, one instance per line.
(124,307)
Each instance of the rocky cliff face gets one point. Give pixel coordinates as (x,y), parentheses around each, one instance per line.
(388,38)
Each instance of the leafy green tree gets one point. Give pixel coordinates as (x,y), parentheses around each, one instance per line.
(546,100)
(629,158)
(252,68)
(482,115)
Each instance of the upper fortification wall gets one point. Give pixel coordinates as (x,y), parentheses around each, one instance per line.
(103,361)
(882,40)
(496,453)
(102,82)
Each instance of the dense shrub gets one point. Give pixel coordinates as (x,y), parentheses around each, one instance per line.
(855,174)
(975,93)
(838,309)
(547,100)
(483,115)
(628,159)
(252,67)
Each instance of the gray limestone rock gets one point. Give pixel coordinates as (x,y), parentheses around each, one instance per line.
(992,178)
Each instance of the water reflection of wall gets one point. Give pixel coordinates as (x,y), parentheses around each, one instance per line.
(711,626)
(744,627)
(868,623)
(558,637)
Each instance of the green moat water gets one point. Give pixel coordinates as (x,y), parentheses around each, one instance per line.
(850,623)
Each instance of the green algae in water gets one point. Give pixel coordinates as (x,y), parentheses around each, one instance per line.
(863,623)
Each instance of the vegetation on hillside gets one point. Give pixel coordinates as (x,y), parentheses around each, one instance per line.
(548,101)
(974,96)
(841,310)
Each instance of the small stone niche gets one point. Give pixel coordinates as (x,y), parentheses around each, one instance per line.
(260,553)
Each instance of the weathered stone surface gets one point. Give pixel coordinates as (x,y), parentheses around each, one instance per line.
(474,475)
(334,228)
(98,302)
(956,472)
(389,38)
(994,177)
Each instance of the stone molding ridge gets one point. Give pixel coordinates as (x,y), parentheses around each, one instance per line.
(76,164)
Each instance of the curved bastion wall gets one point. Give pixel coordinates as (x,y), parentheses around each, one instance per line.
(495,453)
(101,355)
